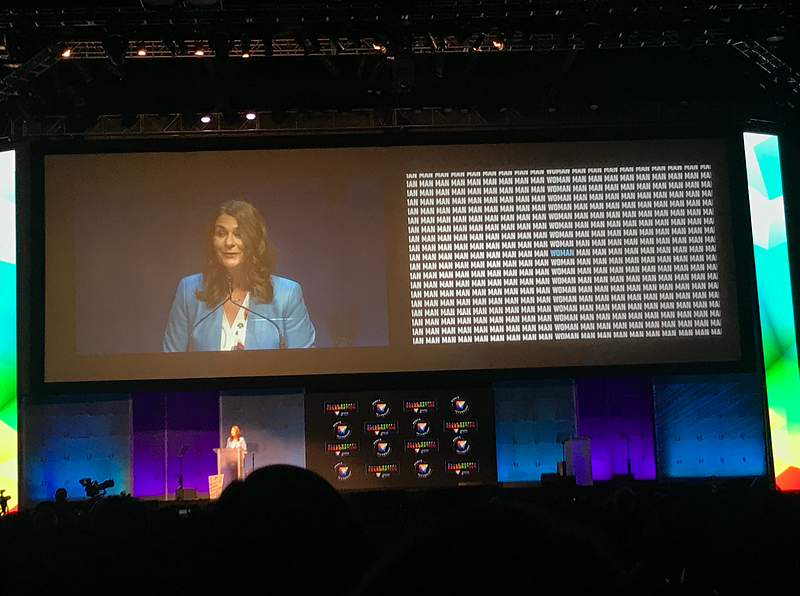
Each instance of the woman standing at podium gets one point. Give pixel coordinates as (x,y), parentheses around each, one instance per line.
(236,440)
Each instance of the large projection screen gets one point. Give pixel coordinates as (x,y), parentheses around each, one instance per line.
(416,258)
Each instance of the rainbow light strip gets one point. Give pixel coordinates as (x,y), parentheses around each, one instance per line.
(8,329)
(776,309)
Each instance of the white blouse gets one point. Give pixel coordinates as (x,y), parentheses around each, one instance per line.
(232,335)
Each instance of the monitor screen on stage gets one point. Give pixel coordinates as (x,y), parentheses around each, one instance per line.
(294,262)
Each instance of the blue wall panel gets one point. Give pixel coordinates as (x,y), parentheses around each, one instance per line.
(67,441)
(532,418)
(709,426)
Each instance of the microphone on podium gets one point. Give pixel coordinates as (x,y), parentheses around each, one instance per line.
(190,339)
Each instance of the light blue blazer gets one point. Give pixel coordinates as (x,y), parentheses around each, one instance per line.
(287,309)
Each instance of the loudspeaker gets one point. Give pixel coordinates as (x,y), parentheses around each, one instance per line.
(186,494)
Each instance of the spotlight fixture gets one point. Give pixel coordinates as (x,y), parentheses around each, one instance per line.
(379,47)
(205,118)
(267,43)
(245,45)
(308,41)
(199,48)
(169,42)
(436,41)
(116,46)
(499,42)
(250,115)
(141,49)
(220,42)
(688,32)
(66,53)
(476,45)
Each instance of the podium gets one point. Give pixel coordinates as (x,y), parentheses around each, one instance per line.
(230,463)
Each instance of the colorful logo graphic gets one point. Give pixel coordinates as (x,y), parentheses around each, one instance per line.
(421,427)
(419,406)
(460,405)
(382,447)
(341,408)
(342,470)
(341,429)
(382,470)
(462,445)
(462,468)
(422,445)
(380,408)
(342,449)
(460,426)
(380,428)
(422,468)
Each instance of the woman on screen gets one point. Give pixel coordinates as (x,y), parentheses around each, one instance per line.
(237,303)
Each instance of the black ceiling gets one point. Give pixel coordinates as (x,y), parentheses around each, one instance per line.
(600,60)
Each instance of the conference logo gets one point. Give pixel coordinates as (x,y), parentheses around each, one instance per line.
(422,468)
(462,468)
(460,426)
(343,449)
(380,428)
(382,447)
(421,427)
(422,445)
(419,406)
(380,408)
(341,429)
(341,408)
(382,470)
(462,445)
(342,470)
(460,405)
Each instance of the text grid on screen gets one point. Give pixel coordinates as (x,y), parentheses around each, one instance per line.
(568,253)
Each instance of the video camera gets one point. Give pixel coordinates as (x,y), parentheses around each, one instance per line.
(93,488)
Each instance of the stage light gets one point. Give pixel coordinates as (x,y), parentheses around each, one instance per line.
(245,45)
(688,33)
(499,42)
(141,49)
(267,43)
(199,48)
(309,42)
(205,118)
(437,41)
(250,115)
(66,53)
(476,45)
(221,44)
(169,42)
(116,46)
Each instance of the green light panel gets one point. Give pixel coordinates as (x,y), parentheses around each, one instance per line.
(776,309)
(8,330)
